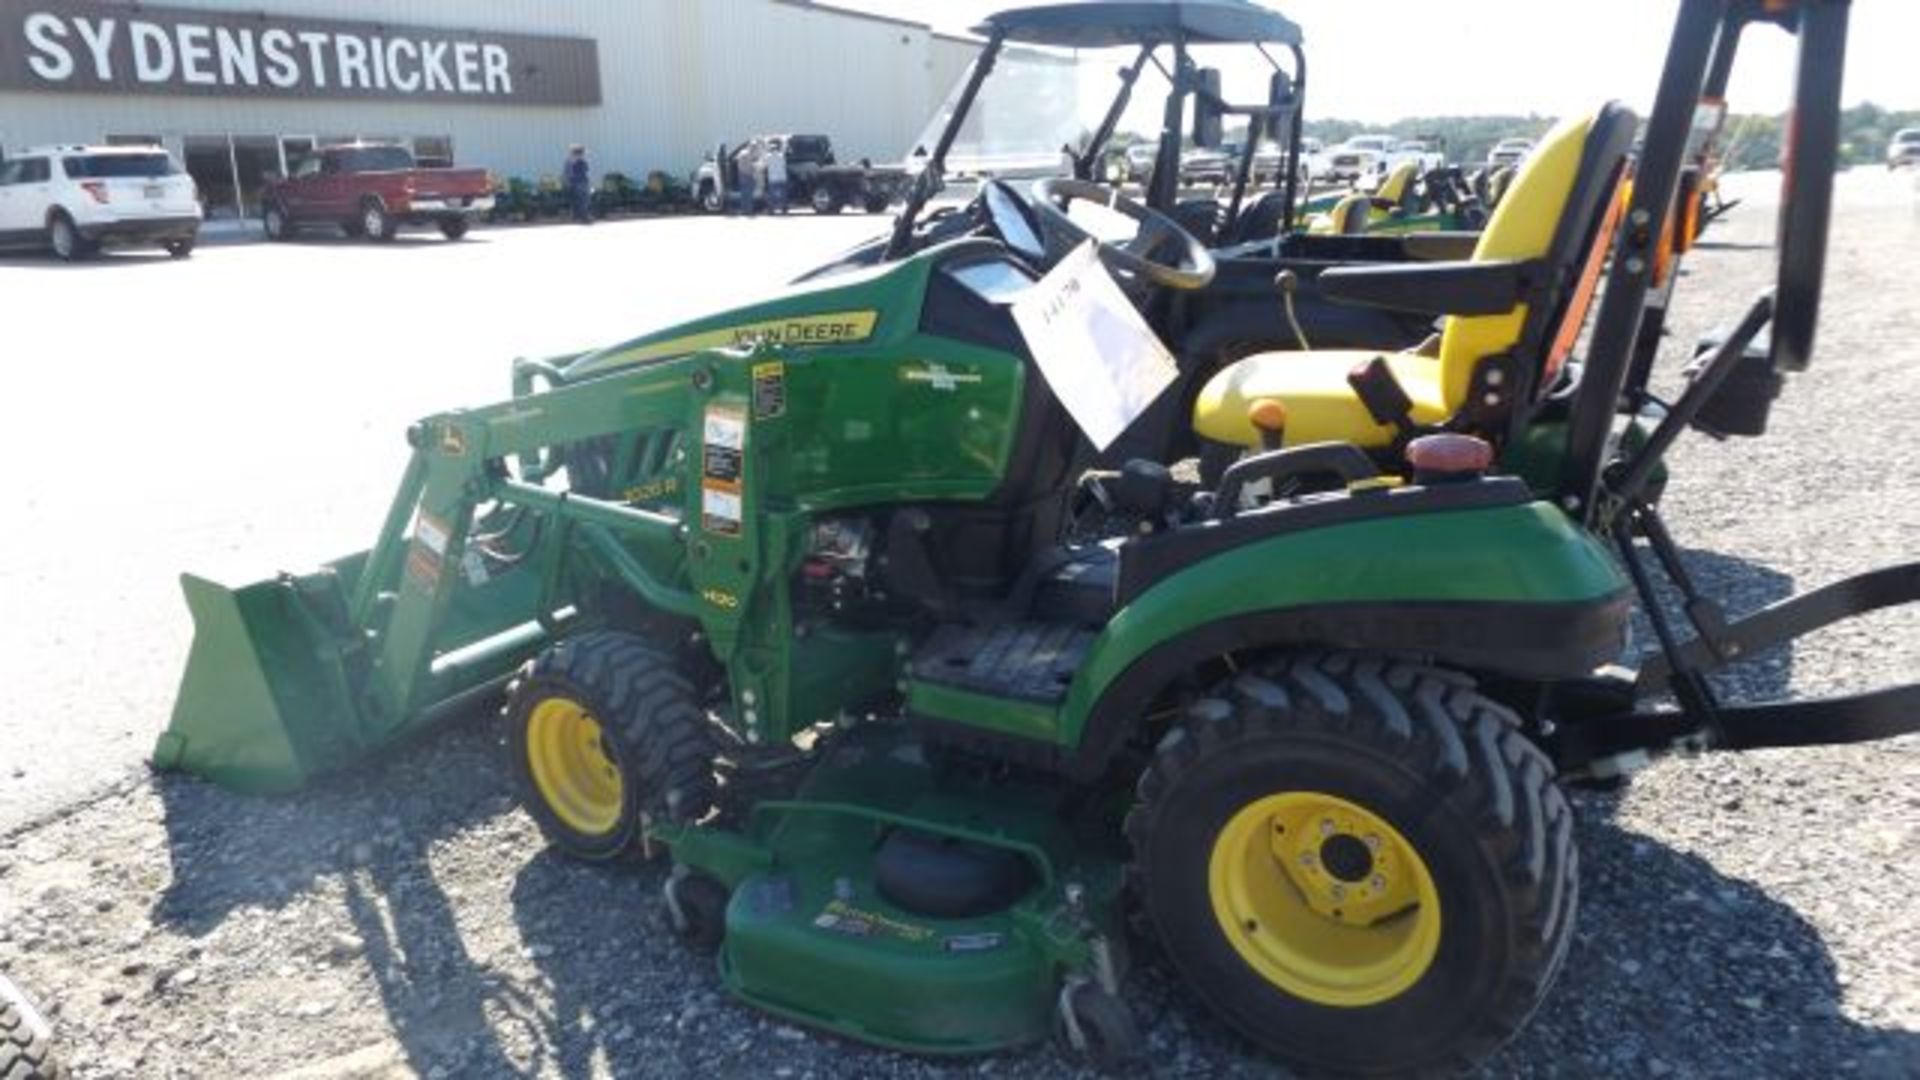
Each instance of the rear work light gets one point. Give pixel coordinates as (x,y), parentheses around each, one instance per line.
(95,188)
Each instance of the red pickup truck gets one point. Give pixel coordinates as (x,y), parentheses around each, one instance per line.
(372,190)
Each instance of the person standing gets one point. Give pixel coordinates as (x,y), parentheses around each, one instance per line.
(743,174)
(759,175)
(579,180)
(777,177)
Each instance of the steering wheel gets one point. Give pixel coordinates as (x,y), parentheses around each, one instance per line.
(1193,268)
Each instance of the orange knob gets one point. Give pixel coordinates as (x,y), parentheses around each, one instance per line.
(1269,418)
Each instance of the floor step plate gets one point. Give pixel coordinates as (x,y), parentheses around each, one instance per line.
(1027,661)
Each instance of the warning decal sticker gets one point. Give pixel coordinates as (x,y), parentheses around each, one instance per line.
(722,470)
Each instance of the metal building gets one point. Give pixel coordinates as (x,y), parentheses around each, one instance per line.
(240,89)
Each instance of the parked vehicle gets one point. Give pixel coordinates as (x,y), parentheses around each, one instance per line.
(1377,155)
(1314,161)
(1358,156)
(1904,149)
(814,178)
(1140,160)
(1218,167)
(1425,155)
(75,200)
(374,190)
(1204,167)
(1508,153)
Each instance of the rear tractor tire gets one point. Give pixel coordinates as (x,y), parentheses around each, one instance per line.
(607,736)
(1361,864)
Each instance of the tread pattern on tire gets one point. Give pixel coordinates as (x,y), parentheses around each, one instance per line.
(25,1053)
(651,707)
(1428,718)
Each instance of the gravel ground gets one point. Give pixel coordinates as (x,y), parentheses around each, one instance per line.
(1742,916)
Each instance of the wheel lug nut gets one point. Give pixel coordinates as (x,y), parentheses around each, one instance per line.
(1339,892)
(1306,858)
(1326,827)
(1379,882)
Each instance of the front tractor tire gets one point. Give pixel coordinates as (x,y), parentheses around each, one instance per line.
(607,735)
(1361,864)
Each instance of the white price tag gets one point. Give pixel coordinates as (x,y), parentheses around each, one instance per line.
(1101,358)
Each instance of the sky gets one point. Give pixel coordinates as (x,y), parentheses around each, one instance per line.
(1379,60)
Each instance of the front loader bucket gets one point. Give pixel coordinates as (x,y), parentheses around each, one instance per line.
(264,704)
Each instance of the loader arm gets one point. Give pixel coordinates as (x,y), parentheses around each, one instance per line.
(295,675)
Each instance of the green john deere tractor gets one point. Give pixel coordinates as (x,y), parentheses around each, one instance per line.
(815,599)
(1405,201)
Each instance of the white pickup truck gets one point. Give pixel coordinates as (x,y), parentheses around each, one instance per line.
(1372,155)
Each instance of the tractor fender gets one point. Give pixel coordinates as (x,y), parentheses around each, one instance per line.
(1516,590)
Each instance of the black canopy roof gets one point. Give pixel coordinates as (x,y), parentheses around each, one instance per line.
(1092,24)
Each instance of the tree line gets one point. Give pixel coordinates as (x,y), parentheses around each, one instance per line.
(1749,141)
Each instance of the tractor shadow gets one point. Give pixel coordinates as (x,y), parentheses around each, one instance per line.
(371,830)
(1674,963)
(619,977)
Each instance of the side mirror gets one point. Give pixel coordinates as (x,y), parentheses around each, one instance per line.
(1208,125)
(1280,98)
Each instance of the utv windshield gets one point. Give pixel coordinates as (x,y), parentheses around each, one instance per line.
(1040,105)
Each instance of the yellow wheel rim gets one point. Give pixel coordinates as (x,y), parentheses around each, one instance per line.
(1324,899)
(571,767)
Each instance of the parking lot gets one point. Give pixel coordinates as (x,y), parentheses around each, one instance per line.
(242,412)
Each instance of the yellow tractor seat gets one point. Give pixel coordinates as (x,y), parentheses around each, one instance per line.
(1398,184)
(1349,217)
(1497,185)
(1512,312)
(1357,210)
(1320,404)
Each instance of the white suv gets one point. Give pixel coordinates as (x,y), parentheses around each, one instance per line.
(1904,150)
(74,200)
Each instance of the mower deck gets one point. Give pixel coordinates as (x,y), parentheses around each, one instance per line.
(835,925)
